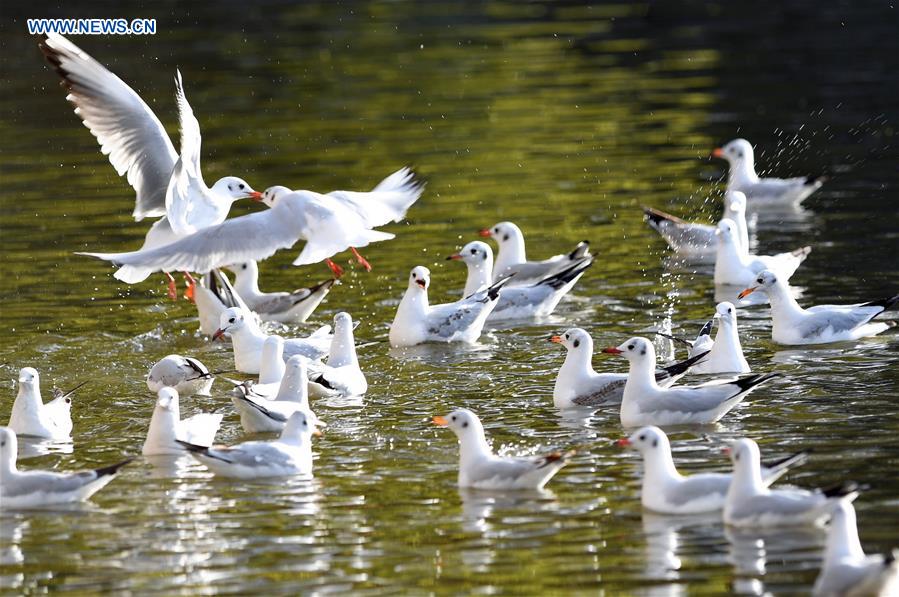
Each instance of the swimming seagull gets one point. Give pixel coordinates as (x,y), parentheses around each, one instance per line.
(247,341)
(846,569)
(167,426)
(480,468)
(791,324)
(327,225)
(260,413)
(285,307)
(694,240)
(578,385)
(290,454)
(462,321)
(341,374)
(30,416)
(33,489)
(137,144)
(535,300)
(512,259)
(726,352)
(749,503)
(186,374)
(212,296)
(739,269)
(667,491)
(742,177)
(646,403)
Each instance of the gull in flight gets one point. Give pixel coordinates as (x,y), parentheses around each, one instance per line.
(166,184)
(646,403)
(33,489)
(776,191)
(290,454)
(578,385)
(535,300)
(667,491)
(793,325)
(480,468)
(511,257)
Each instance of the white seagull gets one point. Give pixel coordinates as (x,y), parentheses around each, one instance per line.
(736,268)
(535,300)
(791,324)
(247,341)
(462,321)
(290,454)
(578,385)
(742,177)
(186,374)
(167,426)
(341,373)
(30,416)
(726,352)
(212,296)
(512,259)
(694,240)
(749,502)
(263,413)
(667,491)
(33,489)
(480,468)
(137,144)
(285,307)
(846,569)
(646,403)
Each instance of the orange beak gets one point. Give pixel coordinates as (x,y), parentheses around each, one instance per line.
(455,257)
(484,232)
(623,442)
(717,153)
(440,421)
(255,196)
(747,292)
(555,339)
(218,334)
(611,350)
(316,432)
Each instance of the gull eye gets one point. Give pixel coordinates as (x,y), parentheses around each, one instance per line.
(496,230)
(630,346)
(730,310)
(642,437)
(577,343)
(465,424)
(68,401)
(566,336)
(231,320)
(241,187)
(453,417)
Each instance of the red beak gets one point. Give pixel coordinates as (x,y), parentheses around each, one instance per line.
(611,350)
(623,442)
(455,257)
(556,339)
(255,196)
(218,334)
(717,153)
(726,450)
(421,283)
(483,232)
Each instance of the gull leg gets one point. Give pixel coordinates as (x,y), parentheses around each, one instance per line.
(191,287)
(362,260)
(173,292)
(335,269)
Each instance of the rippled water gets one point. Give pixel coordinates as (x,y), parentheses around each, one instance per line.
(560,117)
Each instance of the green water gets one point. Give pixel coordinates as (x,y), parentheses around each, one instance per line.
(563,118)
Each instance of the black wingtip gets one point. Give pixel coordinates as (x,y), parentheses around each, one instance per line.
(192,447)
(653,217)
(493,291)
(750,381)
(568,274)
(797,457)
(111,469)
(811,180)
(271,415)
(681,367)
(887,303)
(674,339)
(843,489)
(707,328)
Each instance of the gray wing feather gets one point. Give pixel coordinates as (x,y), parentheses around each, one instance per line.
(609,392)
(253,454)
(46,482)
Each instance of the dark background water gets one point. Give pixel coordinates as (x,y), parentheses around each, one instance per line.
(561,117)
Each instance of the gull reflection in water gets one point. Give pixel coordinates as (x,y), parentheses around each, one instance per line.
(665,541)
(750,551)
(32,447)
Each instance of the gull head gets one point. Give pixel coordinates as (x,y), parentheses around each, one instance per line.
(635,350)
(735,152)
(8,445)
(272,195)
(735,201)
(744,453)
(726,230)
(296,365)
(574,339)
(765,281)
(502,232)
(343,322)
(243,269)
(300,425)
(167,399)
(474,253)
(646,440)
(28,376)
(230,321)
(463,422)
(235,188)
(726,313)
(420,278)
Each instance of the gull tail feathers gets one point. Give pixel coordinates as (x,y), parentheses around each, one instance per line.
(111,469)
